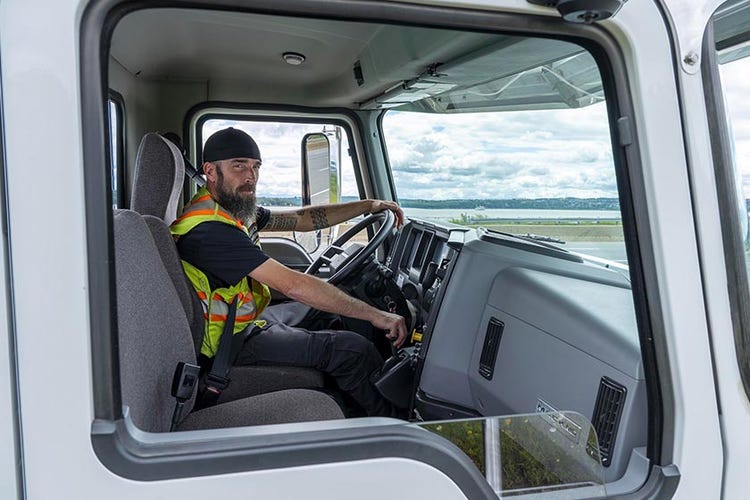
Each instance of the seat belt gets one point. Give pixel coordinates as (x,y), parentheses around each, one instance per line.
(230,344)
(216,380)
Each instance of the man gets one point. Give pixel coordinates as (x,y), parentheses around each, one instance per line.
(217,237)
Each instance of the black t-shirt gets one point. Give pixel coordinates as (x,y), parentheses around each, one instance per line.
(223,252)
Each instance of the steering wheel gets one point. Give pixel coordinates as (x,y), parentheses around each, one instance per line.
(343,267)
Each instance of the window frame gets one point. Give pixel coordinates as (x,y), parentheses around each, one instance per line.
(131,453)
(196,118)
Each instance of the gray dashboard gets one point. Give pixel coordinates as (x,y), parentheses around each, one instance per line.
(522,327)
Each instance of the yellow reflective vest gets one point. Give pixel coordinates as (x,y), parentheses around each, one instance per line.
(253,296)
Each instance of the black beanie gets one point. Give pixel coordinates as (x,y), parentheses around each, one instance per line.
(230,143)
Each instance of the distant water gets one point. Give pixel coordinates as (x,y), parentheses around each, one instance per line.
(445,214)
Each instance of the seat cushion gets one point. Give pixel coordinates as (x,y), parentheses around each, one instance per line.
(251,380)
(283,407)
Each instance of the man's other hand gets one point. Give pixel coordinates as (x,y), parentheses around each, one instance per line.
(380,205)
(394,324)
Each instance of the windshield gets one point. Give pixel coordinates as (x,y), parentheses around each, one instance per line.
(544,174)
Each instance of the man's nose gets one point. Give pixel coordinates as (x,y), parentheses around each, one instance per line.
(251,176)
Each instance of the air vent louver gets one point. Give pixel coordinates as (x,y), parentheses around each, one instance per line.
(606,419)
(491,346)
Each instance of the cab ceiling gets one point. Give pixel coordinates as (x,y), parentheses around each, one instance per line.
(244,51)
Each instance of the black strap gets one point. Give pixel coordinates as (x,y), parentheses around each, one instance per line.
(216,380)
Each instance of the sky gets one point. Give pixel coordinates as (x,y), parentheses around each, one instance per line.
(281,148)
(736,86)
(530,154)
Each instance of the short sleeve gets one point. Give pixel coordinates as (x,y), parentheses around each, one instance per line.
(262,215)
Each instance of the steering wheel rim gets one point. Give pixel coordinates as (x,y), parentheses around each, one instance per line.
(352,262)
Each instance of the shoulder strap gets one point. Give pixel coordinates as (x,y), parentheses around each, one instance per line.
(216,380)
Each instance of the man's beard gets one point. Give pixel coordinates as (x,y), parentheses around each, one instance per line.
(242,207)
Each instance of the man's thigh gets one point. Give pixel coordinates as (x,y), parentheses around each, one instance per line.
(299,315)
(330,351)
(279,344)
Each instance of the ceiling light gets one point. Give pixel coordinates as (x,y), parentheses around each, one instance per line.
(293,58)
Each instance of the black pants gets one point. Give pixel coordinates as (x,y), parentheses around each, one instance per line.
(296,336)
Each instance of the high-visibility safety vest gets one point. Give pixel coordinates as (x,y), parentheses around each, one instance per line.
(252,296)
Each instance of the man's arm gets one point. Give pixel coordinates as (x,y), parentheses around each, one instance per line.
(318,217)
(320,295)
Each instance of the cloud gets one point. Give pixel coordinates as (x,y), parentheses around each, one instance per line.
(280,144)
(736,88)
(528,154)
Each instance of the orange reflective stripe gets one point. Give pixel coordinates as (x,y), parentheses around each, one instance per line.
(205,197)
(202,295)
(246,318)
(223,317)
(220,213)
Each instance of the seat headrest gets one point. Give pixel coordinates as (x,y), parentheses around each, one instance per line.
(159,174)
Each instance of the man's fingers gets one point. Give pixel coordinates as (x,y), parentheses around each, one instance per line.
(400,334)
(393,207)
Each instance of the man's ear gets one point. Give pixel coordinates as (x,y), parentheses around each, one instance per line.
(210,170)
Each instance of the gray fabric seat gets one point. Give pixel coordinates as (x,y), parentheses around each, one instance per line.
(159,176)
(153,336)
(156,195)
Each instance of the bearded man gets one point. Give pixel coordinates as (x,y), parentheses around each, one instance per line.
(217,238)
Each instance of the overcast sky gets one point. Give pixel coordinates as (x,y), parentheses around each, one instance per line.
(532,154)
(736,86)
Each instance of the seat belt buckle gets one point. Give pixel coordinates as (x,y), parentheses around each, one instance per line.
(184,381)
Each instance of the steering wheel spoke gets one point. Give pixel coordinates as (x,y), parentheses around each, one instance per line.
(350,262)
(337,249)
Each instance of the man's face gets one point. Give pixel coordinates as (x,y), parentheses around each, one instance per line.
(234,184)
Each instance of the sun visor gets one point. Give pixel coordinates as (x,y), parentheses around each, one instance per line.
(512,74)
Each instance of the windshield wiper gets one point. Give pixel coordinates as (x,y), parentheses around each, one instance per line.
(536,238)
(540,237)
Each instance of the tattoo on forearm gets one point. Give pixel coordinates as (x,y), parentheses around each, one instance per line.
(281,223)
(319,219)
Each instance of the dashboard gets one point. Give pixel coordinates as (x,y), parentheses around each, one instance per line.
(503,325)
(419,262)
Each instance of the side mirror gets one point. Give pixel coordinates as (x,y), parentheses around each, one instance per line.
(321,181)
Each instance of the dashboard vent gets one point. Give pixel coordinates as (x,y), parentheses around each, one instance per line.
(610,402)
(491,346)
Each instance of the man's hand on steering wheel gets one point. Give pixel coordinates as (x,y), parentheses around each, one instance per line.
(380,205)
(394,324)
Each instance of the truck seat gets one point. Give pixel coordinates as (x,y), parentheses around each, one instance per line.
(155,196)
(154,336)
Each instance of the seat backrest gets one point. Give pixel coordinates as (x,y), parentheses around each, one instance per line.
(171,260)
(159,176)
(153,333)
